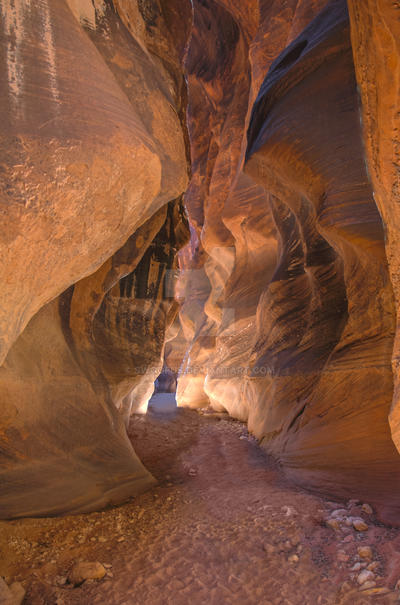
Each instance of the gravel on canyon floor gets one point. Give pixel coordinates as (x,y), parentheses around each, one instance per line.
(223,526)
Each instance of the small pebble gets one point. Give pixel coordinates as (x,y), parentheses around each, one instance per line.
(378,591)
(86,570)
(293,559)
(346,587)
(360,525)
(366,508)
(365,552)
(373,566)
(352,502)
(356,567)
(339,513)
(333,524)
(288,510)
(13,594)
(365,576)
(342,556)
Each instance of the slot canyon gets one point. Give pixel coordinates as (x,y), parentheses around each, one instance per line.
(200,307)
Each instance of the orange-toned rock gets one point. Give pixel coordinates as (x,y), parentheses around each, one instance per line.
(71,380)
(328,314)
(223,83)
(375,32)
(85,157)
(296,333)
(93,164)
(86,570)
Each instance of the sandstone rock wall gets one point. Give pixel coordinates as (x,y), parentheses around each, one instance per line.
(297,329)
(223,82)
(288,287)
(327,321)
(94,160)
(375,31)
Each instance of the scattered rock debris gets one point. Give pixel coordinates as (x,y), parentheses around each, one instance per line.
(233,531)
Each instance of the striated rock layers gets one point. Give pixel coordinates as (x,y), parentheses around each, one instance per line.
(223,82)
(375,32)
(298,314)
(326,326)
(93,164)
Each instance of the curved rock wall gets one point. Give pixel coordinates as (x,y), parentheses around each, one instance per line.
(327,317)
(287,292)
(375,35)
(94,160)
(298,321)
(222,88)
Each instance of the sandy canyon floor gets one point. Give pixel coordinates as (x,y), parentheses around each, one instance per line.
(223,526)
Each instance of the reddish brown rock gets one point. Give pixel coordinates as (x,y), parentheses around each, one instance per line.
(328,312)
(85,157)
(94,161)
(297,331)
(223,82)
(71,380)
(375,31)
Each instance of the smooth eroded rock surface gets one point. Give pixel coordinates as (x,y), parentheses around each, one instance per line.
(288,289)
(93,159)
(298,313)
(375,36)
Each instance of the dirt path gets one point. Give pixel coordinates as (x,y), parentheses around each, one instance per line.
(222,527)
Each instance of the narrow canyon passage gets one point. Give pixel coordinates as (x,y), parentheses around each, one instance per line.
(221,527)
(200,197)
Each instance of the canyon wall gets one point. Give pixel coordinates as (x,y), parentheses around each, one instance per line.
(288,286)
(296,334)
(94,161)
(375,32)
